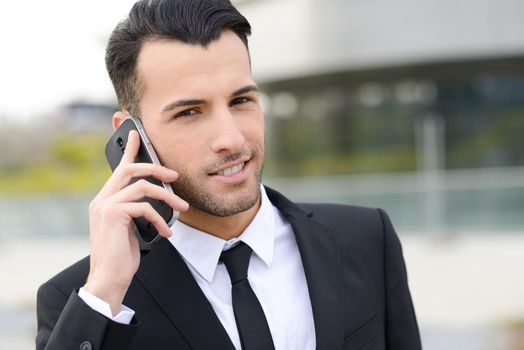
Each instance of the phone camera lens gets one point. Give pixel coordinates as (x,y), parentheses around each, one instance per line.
(120,142)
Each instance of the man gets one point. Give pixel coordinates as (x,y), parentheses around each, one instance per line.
(318,276)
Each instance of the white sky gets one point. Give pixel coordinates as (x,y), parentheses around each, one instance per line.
(52,52)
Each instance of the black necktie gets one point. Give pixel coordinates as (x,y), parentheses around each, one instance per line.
(249,316)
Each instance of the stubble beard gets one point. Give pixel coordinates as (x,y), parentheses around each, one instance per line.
(200,197)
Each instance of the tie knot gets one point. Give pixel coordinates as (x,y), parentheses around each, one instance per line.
(236,260)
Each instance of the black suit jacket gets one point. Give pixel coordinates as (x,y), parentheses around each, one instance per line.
(354,270)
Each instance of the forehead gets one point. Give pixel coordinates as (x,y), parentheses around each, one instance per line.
(167,63)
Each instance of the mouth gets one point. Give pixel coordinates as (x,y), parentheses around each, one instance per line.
(232,168)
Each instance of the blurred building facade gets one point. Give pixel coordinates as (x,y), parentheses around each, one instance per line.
(431,91)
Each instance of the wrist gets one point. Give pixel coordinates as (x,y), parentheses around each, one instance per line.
(108,292)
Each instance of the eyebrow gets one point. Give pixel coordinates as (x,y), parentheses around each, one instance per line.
(243,90)
(182,103)
(194,101)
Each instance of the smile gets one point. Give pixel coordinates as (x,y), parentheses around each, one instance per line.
(232,170)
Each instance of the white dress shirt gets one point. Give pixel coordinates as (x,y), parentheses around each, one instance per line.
(275,273)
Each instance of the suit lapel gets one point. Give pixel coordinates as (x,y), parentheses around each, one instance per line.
(167,277)
(321,260)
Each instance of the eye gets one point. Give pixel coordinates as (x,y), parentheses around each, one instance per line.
(186,113)
(241,100)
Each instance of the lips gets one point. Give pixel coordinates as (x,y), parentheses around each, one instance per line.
(231,170)
(232,167)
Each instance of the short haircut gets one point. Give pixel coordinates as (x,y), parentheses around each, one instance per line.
(196,22)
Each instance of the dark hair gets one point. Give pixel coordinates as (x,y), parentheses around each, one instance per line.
(197,22)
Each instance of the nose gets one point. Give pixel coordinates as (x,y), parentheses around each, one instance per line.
(227,132)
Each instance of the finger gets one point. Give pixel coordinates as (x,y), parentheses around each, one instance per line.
(143,188)
(132,147)
(130,171)
(144,209)
(124,173)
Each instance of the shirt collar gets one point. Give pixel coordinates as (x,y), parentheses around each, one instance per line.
(202,250)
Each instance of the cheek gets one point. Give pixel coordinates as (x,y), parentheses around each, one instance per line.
(257,132)
(253,126)
(168,149)
(178,155)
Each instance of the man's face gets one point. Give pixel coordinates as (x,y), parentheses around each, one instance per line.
(200,108)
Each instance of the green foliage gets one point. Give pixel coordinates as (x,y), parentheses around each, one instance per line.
(497,144)
(81,151)
(326,163)
(75,163)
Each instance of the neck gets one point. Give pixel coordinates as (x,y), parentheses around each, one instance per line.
(222,227)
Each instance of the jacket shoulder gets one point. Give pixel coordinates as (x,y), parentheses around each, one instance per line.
(70,278)
(348,220)
(342,214)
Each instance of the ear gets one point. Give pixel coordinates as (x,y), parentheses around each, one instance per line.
(119,117)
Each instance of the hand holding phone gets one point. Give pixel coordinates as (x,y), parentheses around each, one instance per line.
(114,248)
(146,154)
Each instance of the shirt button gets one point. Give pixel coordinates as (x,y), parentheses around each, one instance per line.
(86,346)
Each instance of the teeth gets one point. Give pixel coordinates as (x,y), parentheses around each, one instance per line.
(230,171)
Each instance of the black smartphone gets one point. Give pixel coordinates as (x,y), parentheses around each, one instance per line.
(146,154)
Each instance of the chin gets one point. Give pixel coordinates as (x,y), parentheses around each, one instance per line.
(231,202)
